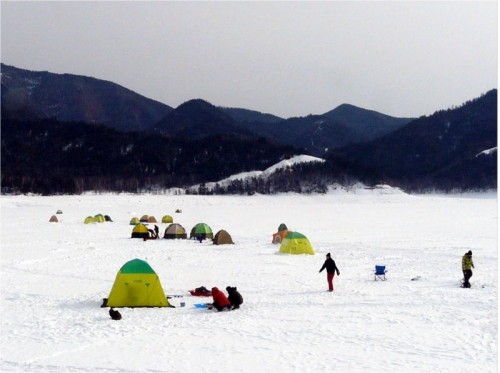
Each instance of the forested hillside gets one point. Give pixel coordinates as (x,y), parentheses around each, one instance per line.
(50,157)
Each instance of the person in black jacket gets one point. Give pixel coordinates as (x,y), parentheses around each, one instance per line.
(234,297)
(331,268)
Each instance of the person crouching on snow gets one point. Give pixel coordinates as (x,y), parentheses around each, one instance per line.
(234,297)
(331,268)
(220,300)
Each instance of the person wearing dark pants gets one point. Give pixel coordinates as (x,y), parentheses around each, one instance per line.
(331,268)
(220,300)
(234,297)
(467,265)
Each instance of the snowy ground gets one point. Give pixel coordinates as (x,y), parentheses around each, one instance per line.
(54,276)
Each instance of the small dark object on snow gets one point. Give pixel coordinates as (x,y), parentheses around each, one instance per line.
(234,297)
(115,315)
(104,302)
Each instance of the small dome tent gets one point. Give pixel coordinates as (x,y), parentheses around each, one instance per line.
(222,237)
(280,235)
(144,218)
(175,230)
(152,219)
(59,212)
(137,285)
(296,243)
(99,218)
(134,221)
(140,231)
(107,218)
(53,219)
(201,230)
(167,219)
(88,220)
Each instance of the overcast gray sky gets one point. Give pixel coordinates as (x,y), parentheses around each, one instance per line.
(286,58)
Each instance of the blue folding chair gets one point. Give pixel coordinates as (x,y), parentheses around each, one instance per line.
(380,273)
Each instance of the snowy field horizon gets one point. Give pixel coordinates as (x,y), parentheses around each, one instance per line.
(55,275)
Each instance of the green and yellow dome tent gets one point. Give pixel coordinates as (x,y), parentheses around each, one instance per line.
(167,219)
(140,231)
(99,218)
(134,221)
(296,243)
(175,230)
(201,230)
(137,285)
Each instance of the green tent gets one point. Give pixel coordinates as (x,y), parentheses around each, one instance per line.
(99,218)
(134,221)
(137,285)
(201,230)
(282,227)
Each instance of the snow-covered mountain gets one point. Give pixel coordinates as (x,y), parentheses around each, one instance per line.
(261,174)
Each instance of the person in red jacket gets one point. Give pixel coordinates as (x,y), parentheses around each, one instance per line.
(220,300)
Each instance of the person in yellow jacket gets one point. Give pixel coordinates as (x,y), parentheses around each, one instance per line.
(467,265)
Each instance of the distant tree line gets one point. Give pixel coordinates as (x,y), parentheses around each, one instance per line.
(51,157)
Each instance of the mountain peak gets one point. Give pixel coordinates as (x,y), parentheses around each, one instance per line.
(197,118)
(76,98)
(195,103)
(372,123)
(353,111)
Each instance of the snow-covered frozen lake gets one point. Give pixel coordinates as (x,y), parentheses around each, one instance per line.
(54,276)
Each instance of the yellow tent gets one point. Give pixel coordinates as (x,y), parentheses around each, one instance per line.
(137,285)
(140,231)
(89,219)
(167,219)
(296,243)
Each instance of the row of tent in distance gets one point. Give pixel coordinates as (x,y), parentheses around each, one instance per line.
(291,242)
(200,231)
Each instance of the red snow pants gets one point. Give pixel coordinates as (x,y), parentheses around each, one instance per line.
(329,277)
